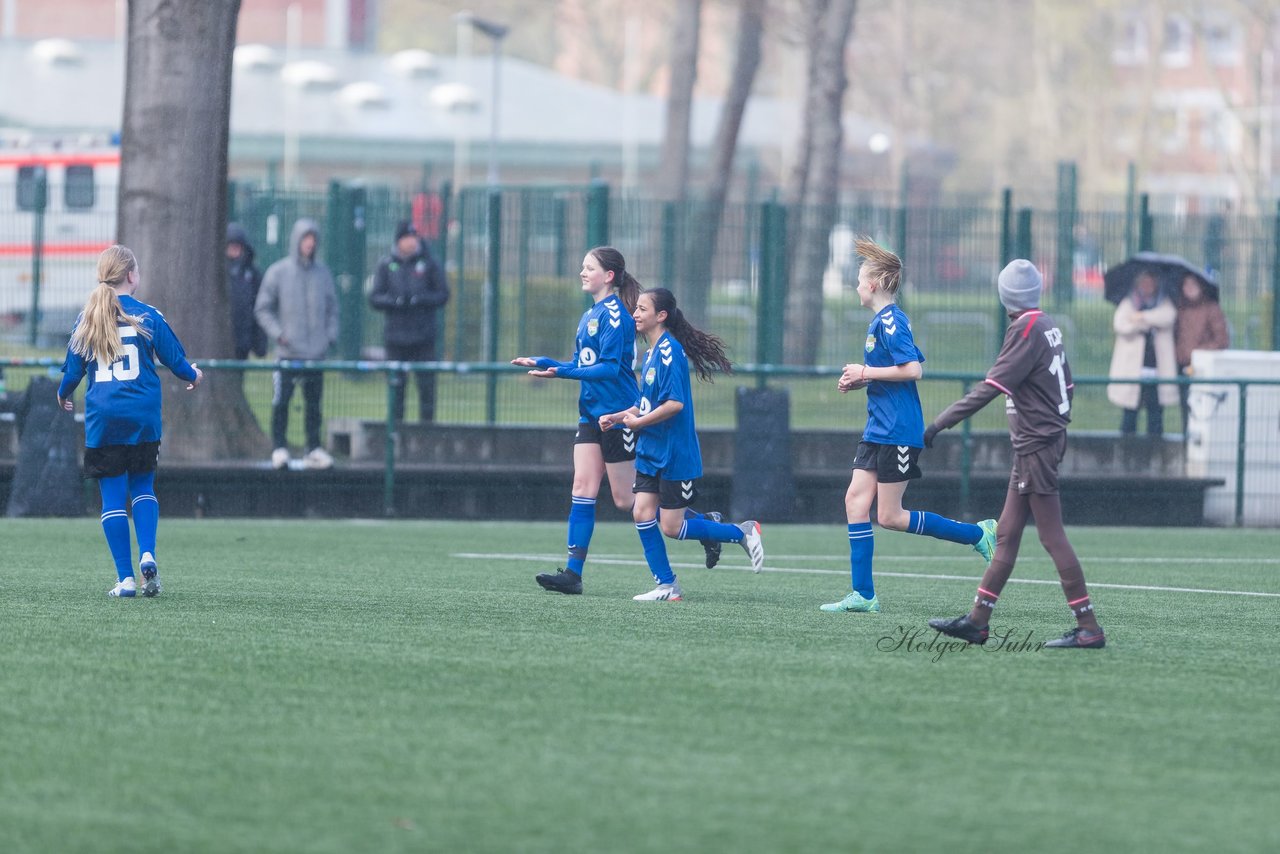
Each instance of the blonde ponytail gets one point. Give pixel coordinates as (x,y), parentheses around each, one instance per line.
(97,335)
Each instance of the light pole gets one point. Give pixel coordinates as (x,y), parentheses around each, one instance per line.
(497,32)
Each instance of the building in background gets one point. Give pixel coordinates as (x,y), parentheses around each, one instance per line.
(1198,92)
(323,23)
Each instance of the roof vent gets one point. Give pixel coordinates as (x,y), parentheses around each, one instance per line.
(365,95)
(414,63)
(255,57)
(57,52)
(311,74)
(455,97)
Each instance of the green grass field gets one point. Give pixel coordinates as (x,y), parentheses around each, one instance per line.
(370,686)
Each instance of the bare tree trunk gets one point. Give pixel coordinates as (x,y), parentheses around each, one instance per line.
(704,231)
(173,205)
(817,211)
(793,193)
(673,176)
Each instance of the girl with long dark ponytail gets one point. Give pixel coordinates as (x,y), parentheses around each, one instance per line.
(668,457)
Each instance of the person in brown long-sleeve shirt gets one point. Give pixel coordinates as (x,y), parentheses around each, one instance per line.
(1032,372)
(1201,325)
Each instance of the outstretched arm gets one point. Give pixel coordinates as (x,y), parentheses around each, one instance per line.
(978,397)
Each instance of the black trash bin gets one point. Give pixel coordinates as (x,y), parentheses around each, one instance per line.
(763,485)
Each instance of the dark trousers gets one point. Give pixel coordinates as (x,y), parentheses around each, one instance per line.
(1149,400)
(1184,392)
(424,351)
(283,382)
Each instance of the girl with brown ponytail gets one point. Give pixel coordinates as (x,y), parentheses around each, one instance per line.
(116,343)
(668,457)
(603,355)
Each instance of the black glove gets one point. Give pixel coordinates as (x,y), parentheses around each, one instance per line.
(929,433)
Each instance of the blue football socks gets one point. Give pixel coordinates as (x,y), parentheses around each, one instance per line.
(146,510)
(655,551)
(701,528)
(942,528)
(582,523)
(861,550)
(115,523)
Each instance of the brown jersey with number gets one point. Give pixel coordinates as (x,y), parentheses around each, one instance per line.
(1033,374)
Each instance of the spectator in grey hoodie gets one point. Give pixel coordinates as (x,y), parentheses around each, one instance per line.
(298,308)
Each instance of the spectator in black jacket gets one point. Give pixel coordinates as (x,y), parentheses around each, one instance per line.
(410,287)
(243,281)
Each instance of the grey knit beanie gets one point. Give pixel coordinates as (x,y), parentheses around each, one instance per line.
(1019,285)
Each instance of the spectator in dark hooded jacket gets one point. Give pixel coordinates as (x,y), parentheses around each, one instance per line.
(243,281)
(410,288)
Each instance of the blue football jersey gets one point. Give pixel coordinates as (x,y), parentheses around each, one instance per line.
(603,355)
(670,448)
(893,408)
(122,401)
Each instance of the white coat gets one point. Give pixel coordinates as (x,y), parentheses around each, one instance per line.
(1131,326)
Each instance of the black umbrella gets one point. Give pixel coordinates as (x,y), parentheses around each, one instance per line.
(1169,271)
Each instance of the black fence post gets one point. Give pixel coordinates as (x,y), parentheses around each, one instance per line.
(670,245)
(393,439)
(1006,255)
(493,306)
(1275,284)
(40,203)
(1064,288)
(1131,185)
(771,310)
(560,218)
(597,214)
(460,279)
(1146,240)
(345,249)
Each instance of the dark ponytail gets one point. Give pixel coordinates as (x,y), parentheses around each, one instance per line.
(625,284)
(705,351)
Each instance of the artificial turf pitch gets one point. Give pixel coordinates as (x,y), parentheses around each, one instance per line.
(405,686)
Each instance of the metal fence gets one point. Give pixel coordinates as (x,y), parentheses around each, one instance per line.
(512,255)
(1236,440)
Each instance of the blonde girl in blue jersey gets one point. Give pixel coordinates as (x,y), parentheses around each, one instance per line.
(887,458)
(668,457)
(603,355)
(116,343)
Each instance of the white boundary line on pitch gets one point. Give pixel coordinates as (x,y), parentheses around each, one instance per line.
(1023,559)
(543,558)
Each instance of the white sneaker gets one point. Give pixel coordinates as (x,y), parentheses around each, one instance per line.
(318,458)
(753,543)
(126,589)
(150,575)
(280,458)
(662,593)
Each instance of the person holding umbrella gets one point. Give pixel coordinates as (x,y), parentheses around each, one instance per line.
(1201,326)
(1143,325)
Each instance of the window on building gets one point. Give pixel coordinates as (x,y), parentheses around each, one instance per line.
(78,192)
(1219,131)
(1176,48)
(1223,40)
(1170,129)
(1131,40)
